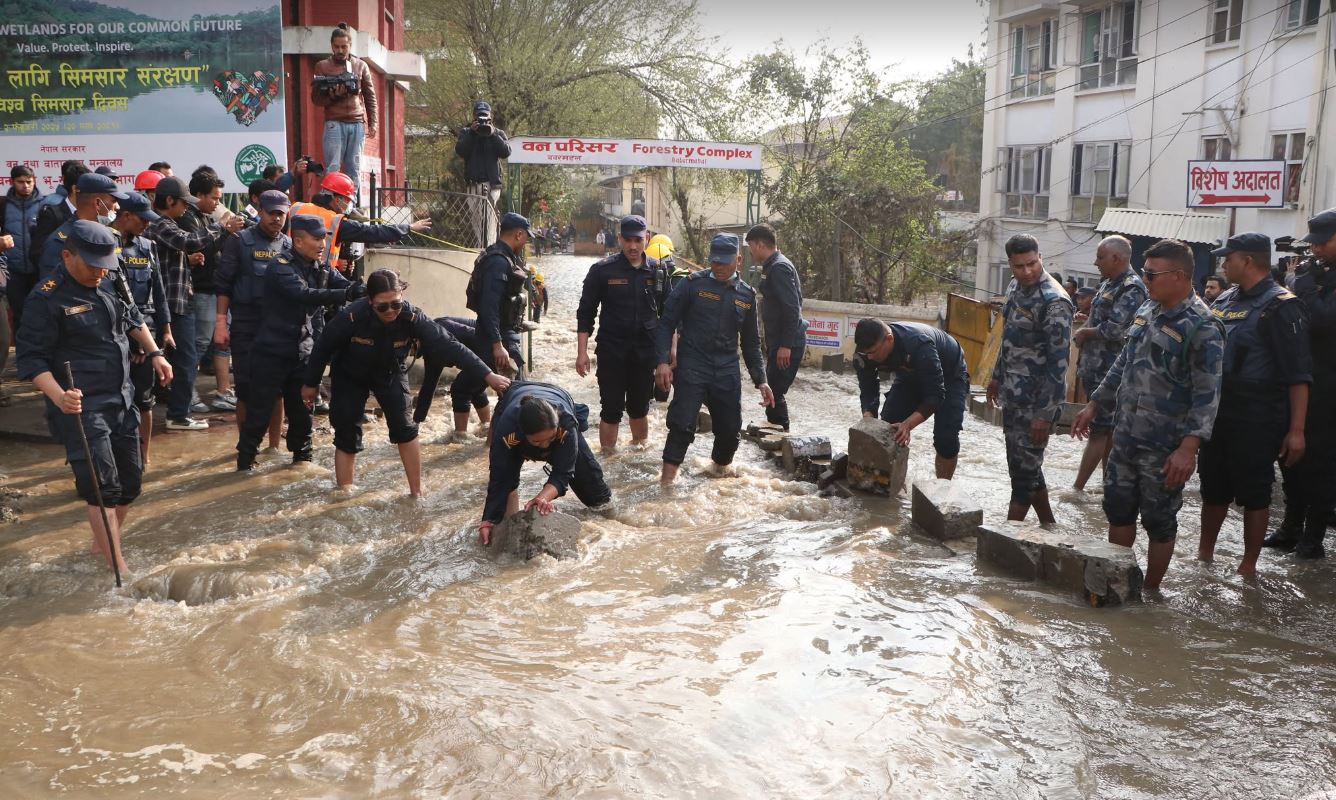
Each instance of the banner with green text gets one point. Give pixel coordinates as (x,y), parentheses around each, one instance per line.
(125,83)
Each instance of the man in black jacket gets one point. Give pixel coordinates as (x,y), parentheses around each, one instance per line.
(781,318)
(482,145)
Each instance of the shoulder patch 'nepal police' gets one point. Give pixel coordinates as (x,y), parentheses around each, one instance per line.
(511,440)
(263,255)
(742,304)
(79,309)
(1220,313)
(707,295)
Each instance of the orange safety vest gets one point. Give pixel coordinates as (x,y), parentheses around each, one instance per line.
(332,221)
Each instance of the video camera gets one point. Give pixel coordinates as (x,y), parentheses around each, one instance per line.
(1288,244)
(312,166)
(484,120)
(328,83)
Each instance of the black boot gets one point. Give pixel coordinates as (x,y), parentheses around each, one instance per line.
(1291,527)
(303,457)
(245,462)
(1315,530)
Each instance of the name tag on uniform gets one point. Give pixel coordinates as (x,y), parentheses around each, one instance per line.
(742,305)
(72,310)
(1171,333)
(360,340)
(617,281)
(1223,314)
(707,295)
(136,261)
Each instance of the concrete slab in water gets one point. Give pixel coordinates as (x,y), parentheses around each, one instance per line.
(944,510)
(1103,574)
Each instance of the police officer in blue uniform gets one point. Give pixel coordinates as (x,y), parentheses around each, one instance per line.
(95,201)
(285,337)
(367,343)
(463,393)
(711,311)
(931,380)
(72,317)
(540,422)
(623,291)
(781,318)
(142,281)
(496,294)
(1263,397)
(239,281)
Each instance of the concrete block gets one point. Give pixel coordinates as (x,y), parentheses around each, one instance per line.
(839,464)
(876,463)
(979,406)
(703,422)
(757,430)
(811,469)
(793,448)
(944,511)
(771,442)
(1101,573)
(528,534)
(833,363)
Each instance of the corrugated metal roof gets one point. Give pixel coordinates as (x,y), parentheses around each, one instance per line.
(1186,225)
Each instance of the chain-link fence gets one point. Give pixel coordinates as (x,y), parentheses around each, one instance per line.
(463,220)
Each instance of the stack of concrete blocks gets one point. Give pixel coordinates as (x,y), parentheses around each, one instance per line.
(943,510)
(805,457)
(1101,573)
(876,463)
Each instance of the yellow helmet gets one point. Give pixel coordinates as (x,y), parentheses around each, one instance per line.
(662,238)
(659,249)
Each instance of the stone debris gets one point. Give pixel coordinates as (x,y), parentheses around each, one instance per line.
(528,534)
(759,430)
(795,448)
(771,442)
(1103,574)
(944,510)
(876,463)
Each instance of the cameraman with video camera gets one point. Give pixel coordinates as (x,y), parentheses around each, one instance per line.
(344,87)
(482,145)
(1310,485)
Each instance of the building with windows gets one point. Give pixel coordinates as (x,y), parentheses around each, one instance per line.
(1094,110)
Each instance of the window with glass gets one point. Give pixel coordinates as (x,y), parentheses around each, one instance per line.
(1023,177)
(1099,179)
(1226,17)
(1301,13)
(1289,147)
(1034,60)
(1216,148)
(1109,45)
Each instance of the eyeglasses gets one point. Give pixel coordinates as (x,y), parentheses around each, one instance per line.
(1151,276)
(397,305)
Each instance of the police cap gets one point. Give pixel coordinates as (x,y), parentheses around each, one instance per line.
(724,248)
(93,183)
(510,220)
(634,225)
(274,200)
(1245,243)
(868,334)
(95,243)
(1321,227)
(137,204)
(309,224)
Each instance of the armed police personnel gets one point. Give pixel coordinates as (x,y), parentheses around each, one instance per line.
(240,284)
(623,290)
(711,311)
(496,294)
(143,282)
(368,342)
(1263,396)
(72,317)
(540,422)
(931,381)
(1030,375)
(1120,294)
(1165,385)
(283,342)
(1310,485)
(781,318)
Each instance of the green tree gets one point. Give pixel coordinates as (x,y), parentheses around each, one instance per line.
(947,130)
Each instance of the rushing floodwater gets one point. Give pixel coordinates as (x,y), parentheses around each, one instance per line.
(737,637)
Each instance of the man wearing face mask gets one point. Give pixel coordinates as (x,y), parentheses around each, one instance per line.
(94,202)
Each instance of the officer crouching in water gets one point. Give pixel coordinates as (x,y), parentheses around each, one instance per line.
(540,422)
(73,317)
(496,294)
(283,342)
(1263,396)
(368,342)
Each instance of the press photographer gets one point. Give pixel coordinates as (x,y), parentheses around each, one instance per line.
(344,87)
(482,145)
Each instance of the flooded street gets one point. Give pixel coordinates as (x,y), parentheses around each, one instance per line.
(737,637)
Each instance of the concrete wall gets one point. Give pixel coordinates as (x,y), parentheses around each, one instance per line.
(830,325)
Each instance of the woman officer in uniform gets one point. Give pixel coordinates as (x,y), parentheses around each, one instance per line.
(367,343)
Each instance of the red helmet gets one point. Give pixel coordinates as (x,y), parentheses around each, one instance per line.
(147,180)
(338,183)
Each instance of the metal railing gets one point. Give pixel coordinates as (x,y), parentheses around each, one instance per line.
(462,220)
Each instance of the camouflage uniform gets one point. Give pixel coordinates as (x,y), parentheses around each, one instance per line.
(1165,386)
(1031,370)
(1116,303)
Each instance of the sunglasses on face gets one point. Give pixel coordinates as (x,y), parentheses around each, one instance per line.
(1151,276)
(396,305)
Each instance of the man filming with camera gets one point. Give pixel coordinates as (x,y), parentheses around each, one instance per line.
(343,86)
(482,145)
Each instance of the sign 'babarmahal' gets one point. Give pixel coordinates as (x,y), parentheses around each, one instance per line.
(1236,184)
(574,151)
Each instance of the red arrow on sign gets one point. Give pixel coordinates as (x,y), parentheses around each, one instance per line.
(1217,199)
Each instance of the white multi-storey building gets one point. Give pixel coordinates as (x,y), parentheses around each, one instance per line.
(1095,108)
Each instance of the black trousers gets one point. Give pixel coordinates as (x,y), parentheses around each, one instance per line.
(723,397)
(347,403)
(780,382)
(273,377)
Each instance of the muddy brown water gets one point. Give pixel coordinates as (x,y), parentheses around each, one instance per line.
(736,637)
